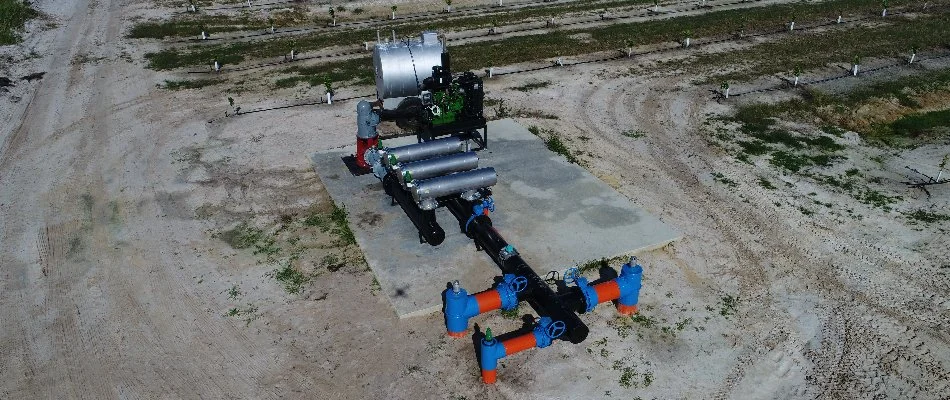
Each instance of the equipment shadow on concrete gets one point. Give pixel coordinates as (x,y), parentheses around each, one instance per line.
(555,213)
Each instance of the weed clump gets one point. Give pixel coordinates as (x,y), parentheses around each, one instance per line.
(336,223)
(291,278)
(15,14)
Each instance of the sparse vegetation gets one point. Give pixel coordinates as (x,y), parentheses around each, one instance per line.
(719,177)
(553,142)
(532,86)
(191,84)
(335,223)
(728,305)
(927,217)
(13,15)
(633,134)
(291,278)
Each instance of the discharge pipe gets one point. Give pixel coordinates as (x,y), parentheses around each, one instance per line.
(624,288)
(492,349)
(461,306)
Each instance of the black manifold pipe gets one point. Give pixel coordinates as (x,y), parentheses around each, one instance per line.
(424,220)
(538,294)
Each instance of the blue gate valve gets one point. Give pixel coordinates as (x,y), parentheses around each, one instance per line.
(486,206)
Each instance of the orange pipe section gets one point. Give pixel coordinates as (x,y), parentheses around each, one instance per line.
(627,310)
(489,376)
(488,300)
(516,344)
(607,291)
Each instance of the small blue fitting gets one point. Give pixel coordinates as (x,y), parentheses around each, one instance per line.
(487,205)
(629,282)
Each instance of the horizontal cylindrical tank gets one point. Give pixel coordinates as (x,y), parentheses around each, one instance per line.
(424,150)
(438,166)
(454,183)
(402,65)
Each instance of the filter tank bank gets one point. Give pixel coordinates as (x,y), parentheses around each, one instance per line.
(441,170)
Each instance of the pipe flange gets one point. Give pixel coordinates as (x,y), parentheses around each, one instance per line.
(428,204)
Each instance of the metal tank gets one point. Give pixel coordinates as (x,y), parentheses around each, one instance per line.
(455,183)
(438,166)
(402,65)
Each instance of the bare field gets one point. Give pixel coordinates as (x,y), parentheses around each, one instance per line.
(153,247)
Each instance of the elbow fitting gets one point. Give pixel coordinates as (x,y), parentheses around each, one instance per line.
(629,283)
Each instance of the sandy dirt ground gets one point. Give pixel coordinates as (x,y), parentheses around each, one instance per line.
(116,282)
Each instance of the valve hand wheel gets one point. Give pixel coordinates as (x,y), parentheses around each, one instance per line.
(556,329)
(571,275)
(519,284)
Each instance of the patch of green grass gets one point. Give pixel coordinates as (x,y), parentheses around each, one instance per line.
(513,313)
(554,143)
(766,184)
(643,320)
(927,217)
(352,72)
(532,86)
(477,56)
(728,305)
(241,237)
(248,313)
(921,124)
(374,286)
(13,15)
(335,223)
(191,84)
(634,134)
(790,161)
(192,24)
(811,51)
(234,292)
(878,199)
(754,147)
(291,278)
(593,265)
(719,177)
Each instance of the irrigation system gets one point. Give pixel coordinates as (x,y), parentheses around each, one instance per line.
(442,170)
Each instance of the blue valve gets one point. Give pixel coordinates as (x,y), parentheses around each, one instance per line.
(487,205)
(547,330)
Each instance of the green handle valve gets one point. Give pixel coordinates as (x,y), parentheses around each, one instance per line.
(488,335)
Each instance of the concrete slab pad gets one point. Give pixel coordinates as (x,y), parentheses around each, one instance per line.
(555,213)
